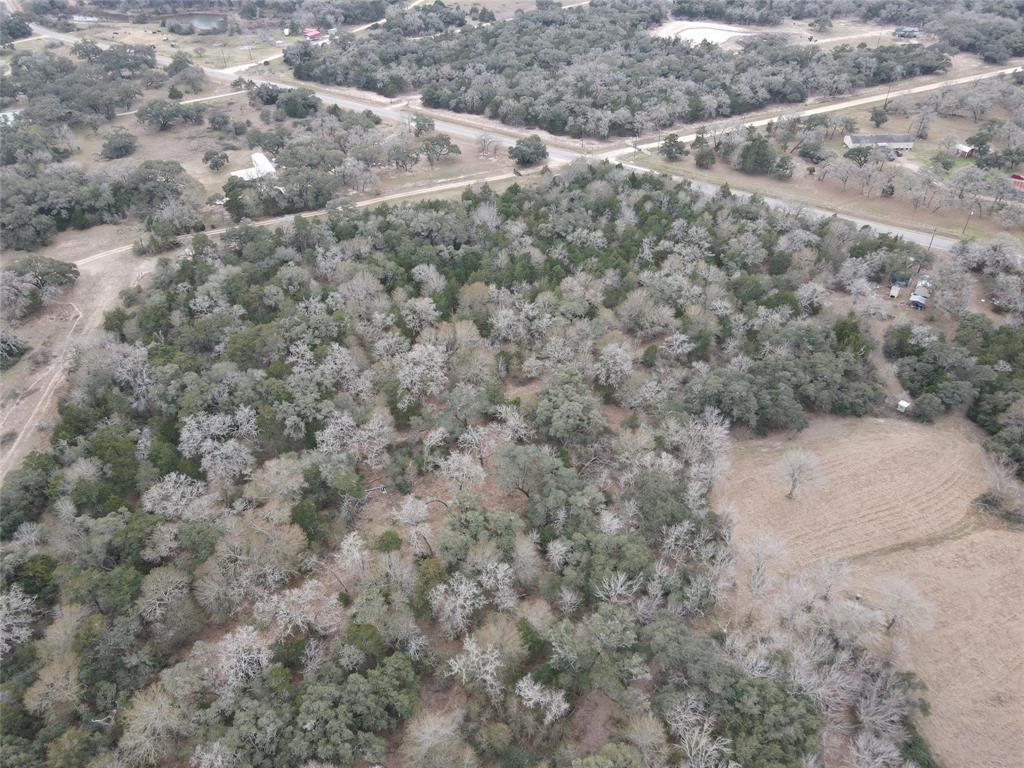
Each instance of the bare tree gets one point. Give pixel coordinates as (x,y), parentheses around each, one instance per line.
(153,725)
(17,612)
(481,666)
(550,701)
(799,469)
(433,740)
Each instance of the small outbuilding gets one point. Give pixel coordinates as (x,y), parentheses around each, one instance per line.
(311,33)
(964,150)
(900,141)
(907,33)
(894,291)
(902,406)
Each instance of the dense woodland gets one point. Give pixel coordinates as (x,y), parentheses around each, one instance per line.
(458,452)
(598,71)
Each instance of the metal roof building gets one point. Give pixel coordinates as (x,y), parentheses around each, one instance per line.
(888,140)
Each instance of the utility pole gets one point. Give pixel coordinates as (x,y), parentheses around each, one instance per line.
(969,215)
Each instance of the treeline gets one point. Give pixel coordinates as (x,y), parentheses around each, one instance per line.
(993,31)
(598,71)
(189,574)
(38,205)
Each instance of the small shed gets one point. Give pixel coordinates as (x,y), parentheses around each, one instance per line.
(902,406)
(964,150)
(907,32)
(311,33)
(894,291)
(917,301)
(1018,181)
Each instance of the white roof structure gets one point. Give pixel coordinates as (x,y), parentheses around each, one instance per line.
(893,140)
(261,167)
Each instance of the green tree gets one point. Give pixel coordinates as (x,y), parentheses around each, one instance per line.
(879,116)
(215,159)
(23,494)
(439,146)
(672,148)
(422,124)
(119,143)
(567,410)
(928,407)
(705,157)
(528,150)
(757,154)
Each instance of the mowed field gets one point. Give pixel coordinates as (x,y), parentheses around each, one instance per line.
(895,501)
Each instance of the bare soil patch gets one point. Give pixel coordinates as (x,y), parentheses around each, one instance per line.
(895,501)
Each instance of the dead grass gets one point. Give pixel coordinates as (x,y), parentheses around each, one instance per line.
(971,660)
(896,500)
(216,51)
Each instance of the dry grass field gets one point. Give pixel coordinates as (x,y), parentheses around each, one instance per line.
(894,500)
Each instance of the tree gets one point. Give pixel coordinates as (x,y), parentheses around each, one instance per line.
(567,410)
(879,116)
(528,150)
(928,407)
(799,469)
(438,147)
(12,347)
(215,159)
(14,26)
(17,615)
(550,701)
(672,148)
(119,143)
(705,158)
(153,725)
(614,365)
(455,604)
(433,740)
(422,124)
(478,666)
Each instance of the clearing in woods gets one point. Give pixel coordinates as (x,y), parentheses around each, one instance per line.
(895,500)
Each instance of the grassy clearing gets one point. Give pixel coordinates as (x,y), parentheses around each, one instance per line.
(217,51)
